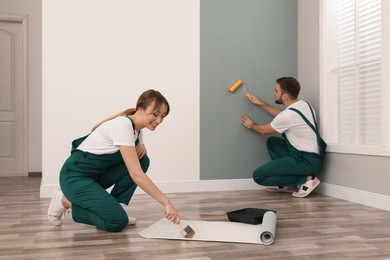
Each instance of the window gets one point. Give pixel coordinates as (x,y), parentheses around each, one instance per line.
(355,76)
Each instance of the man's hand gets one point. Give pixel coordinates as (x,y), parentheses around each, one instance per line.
(246,121)
(255,100)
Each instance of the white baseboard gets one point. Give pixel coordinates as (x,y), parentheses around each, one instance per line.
(188,186)
(357,196)
(370,199)
(207,185)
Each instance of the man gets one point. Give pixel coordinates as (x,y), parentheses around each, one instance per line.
(296,158)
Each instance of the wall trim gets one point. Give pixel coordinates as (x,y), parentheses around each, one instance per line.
(366,198)
(187,186)
(35,174)
(207,185)
(353,195)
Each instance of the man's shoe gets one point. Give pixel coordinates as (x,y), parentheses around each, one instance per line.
(306,188)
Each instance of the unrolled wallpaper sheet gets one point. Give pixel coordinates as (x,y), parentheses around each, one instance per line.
(217,231)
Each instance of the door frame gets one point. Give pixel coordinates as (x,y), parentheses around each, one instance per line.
(23,20)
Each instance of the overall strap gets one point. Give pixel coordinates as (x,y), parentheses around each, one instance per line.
(321,143)
(315,128)
(132,123)
(312,114)
(77,142)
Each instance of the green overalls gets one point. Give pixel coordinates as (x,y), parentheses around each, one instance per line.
(289,166)
(84,179)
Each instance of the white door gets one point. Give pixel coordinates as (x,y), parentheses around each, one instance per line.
(11,99)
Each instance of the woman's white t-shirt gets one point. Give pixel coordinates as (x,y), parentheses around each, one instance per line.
(297,131)
(107,138)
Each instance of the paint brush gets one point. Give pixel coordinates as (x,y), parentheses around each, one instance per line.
(187,231)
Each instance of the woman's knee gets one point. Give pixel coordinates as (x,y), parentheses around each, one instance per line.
(116,223)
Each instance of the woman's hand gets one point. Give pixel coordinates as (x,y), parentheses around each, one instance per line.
(130,156)
(171,213)
(141,150)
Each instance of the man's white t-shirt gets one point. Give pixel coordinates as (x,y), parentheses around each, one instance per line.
(297,131)
(107,138)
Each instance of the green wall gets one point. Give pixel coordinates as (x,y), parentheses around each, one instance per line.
(252,40)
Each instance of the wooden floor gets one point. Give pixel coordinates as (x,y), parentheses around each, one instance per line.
(318,227)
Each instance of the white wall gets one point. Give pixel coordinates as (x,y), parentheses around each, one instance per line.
(33,9)
(99,56)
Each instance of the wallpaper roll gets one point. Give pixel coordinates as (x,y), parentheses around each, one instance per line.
(267,234)
(217,231)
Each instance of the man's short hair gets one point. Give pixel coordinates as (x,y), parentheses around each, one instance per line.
(290,86)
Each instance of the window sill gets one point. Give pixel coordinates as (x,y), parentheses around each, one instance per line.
(358,149)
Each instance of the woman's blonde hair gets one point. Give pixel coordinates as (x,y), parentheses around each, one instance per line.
(146,98)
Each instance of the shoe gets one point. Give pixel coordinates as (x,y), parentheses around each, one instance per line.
(56,210)
(282,189)
(306,188)
(132,220)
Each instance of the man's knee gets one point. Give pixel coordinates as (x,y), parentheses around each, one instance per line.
(259,176)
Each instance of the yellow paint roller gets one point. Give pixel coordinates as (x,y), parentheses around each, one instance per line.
(235,86)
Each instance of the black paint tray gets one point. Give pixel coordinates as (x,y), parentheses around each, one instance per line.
(248,215)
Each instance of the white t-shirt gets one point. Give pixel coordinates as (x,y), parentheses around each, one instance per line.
(108,136)
(297,131)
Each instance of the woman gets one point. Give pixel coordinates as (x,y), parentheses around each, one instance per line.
(113,154)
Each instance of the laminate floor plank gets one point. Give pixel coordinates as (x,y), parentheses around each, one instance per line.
(317,227)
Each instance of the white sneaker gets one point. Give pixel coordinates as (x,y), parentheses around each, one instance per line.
(56,210)
(132,220)
(306,188)
(283,189)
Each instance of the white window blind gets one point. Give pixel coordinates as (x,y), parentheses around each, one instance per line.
(359,71)
(354,77)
